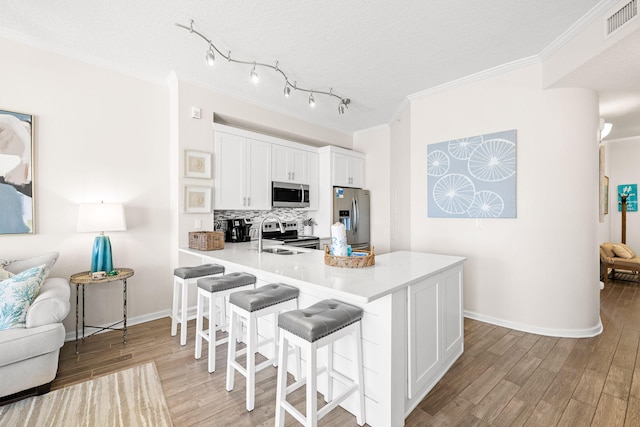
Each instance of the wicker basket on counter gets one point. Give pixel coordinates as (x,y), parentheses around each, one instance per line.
(349,261)
(206,240)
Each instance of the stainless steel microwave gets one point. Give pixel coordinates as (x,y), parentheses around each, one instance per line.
(289,195)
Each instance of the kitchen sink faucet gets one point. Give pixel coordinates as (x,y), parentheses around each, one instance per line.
(260,229)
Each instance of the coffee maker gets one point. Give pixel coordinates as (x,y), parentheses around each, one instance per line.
(238,230)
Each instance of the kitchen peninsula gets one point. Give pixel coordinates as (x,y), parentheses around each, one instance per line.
(412,328)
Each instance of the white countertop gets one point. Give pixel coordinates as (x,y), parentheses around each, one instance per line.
(391,271)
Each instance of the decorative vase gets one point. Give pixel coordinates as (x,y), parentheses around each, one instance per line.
(308,230)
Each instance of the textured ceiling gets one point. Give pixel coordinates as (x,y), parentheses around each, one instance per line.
(374,52)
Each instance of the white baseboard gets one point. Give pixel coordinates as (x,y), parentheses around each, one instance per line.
(71,335)
(562,333)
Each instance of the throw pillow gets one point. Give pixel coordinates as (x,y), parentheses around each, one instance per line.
(622,251)
(16,266)
(4,274)
(16,295)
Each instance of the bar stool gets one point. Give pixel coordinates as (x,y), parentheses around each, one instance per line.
(216,289)
(182,278)
(312,328)
(250,305)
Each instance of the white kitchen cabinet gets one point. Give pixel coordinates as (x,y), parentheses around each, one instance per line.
(434,328)
(348,171)
(242,173)
(289,165)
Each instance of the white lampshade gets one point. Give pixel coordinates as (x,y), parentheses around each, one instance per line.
(101,217)
(606,129)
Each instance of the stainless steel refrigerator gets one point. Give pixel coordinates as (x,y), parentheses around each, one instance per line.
(351,207)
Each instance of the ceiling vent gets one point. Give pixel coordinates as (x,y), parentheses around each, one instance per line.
(620,18)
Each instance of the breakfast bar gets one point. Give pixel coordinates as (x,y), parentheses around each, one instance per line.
(412,327)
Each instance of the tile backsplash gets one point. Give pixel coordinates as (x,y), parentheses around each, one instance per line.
(285,214)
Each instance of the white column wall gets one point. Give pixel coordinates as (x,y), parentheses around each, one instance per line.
(400,187)
(539,271)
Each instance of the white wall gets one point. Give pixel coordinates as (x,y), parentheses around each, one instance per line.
(376,144)
(623,158)
(99,135)
(520,272)
(400,181)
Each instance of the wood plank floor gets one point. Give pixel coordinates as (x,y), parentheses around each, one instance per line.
(504,378)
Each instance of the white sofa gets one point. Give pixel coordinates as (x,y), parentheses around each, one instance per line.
(29,356)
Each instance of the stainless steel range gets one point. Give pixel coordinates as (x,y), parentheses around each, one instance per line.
(271,231)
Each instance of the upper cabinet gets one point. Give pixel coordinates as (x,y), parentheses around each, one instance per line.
(247,162)
(289,165)
(347,170)
(242,173)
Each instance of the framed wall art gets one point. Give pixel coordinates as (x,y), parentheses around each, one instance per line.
(16,173)
(197,164)
(473,177)
(197,199)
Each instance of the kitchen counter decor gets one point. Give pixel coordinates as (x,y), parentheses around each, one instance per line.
(206,240)
(354,261)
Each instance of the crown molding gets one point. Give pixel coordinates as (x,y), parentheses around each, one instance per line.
(482,75)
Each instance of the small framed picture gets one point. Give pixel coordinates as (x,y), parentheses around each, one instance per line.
(197,199)
(197,164)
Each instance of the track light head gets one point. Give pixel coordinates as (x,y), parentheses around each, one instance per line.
(312,101)
(344,104)
(254,75)
(210,57)
(287,90)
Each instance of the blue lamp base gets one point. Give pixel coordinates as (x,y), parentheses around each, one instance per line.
(101,259)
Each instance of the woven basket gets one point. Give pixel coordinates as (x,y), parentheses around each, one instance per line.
(206,240)
(349,261)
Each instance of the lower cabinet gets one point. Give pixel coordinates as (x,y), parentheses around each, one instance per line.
(434,327)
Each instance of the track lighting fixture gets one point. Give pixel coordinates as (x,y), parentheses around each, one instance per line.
(210,58)
(254,76)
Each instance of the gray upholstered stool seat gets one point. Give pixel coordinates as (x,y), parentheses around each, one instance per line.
(312,328)
(216,290)
(264,296)
(198,271)
(226,282)
(183,277)
(320,319)
(249,306)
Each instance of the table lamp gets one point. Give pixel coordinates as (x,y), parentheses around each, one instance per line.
(101,217)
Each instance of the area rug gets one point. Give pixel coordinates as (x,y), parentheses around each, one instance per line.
(132,398)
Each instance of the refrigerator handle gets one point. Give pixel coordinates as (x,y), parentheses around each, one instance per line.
(356,214)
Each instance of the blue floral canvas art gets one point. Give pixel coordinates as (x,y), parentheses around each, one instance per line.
(473,177)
